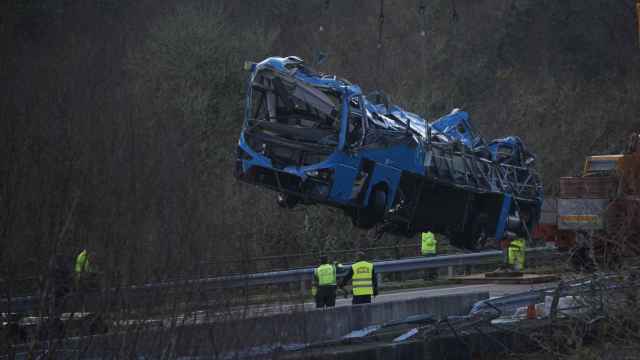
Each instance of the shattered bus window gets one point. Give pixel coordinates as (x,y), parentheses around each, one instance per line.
(291,110)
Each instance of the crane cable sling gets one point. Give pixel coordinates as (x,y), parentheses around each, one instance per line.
(453,44)
(325,11)
(380,24)
(454,11)
(638,19)
(318,53)
(423,19)
(423,48)
(379,44)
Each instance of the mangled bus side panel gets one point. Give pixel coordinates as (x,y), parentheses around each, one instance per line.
(314,138)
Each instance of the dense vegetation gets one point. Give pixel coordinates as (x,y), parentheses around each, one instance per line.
(119,119)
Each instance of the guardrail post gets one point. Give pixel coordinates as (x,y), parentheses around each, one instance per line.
(450,271)
(379,276)
(303,288)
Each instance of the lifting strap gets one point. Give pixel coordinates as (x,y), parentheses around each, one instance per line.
(380,24)
(423,53)
(422,19)
(454,11)
(380,69)
(320,55)
(638,19)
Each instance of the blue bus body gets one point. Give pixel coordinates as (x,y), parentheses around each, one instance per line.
(316,139)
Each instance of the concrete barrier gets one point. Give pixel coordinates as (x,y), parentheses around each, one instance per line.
(323,324)
(317,325)
(254,333)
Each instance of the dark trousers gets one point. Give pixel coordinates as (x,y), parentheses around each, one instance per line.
(430,273)
(361,299)
(326,296)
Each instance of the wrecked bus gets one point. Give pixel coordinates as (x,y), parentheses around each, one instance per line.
(316,139)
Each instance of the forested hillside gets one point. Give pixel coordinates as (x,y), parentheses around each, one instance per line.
(119,119)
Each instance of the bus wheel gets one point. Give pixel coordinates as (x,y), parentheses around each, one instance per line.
(367,217)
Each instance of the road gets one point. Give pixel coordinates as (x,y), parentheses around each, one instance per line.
(203,316)
(243,312)
(493,289)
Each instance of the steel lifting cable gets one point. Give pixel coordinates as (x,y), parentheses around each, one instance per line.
(454,19)
(454,11)
(454,37)
(325,11)
(423,57)
(423,19)
(318,53)
(638,19)
(379,44)
(380,24)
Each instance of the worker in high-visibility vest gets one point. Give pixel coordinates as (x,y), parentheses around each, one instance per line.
(324,280)
(364,283)
(85,271)
(428,244)
(82,266)
(516,253)
(429,247)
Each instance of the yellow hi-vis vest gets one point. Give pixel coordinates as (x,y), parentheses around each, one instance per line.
(326,274)
(362,280)
(516,253)
(82,262)
(429,243)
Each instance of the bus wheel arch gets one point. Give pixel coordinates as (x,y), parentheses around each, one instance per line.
(376,207)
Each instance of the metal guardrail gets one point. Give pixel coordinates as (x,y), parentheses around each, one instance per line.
(280,262)
(27,303)
(385,266)
(595,286)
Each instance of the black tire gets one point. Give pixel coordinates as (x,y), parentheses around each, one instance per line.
(367,217)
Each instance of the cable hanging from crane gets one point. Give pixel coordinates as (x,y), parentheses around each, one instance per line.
(380,24)
(453,45)
(423,51)
(423,19)
(325,11)
(638,19)
(379,44)
(321,55)
(454,11)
